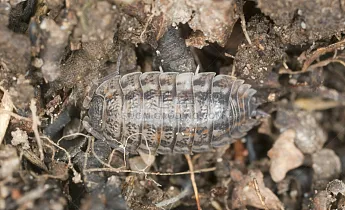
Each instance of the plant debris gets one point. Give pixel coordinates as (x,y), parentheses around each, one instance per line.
(284,155)
(251,191)
(292,53)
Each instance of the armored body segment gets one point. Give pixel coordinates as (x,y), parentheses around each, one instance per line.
(132,111)
(239,132)
(112,94)
(168,106)
(247,123)
(185,113)
(241,100)
(237,109)
(202,86)
(152,112)
(221,110)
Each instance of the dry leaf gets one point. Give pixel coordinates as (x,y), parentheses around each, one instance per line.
(312,104)
(6,104)
(284,155)
(245,193)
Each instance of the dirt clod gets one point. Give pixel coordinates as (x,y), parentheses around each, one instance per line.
(284,155)
(326,164)
(310,137)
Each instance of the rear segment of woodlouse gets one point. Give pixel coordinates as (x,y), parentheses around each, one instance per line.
(171,112)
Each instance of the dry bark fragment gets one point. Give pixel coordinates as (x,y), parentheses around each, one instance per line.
(244,193)
(284,155)
(212,20)
(6,104)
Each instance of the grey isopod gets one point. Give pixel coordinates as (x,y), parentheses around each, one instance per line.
(170,112)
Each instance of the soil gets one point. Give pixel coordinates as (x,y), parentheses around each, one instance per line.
(291,52)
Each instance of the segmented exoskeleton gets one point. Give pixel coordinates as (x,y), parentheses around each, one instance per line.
(170,112)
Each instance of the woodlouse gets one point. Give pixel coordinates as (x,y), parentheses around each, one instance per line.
(170,112)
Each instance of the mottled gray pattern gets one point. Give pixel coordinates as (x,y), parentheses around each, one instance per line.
(170,112)
(131,111)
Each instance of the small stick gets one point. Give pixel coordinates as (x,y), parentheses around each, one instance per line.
(325,63)
(243,23)
(95,155)
(149,20)
(118,62)
(110,158)
(7,105)
(196,57)
(17,116)
(35,123)
(233,70)
(70,165)
(229,55)
(321,51)
(192,177)
(314,66)
(258,193)
(197,70)
(149,173)
(187,190)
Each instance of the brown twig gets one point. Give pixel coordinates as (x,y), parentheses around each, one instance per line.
(149,20)
(116,170)
(35,123)
(77,176)
(321,51)
(86,156)
(171,201)
(233,70)
(17,116)
(258,193)
(243,23)
(192,177)
(6,104)
(325,63)
(314,66)
(229,55)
